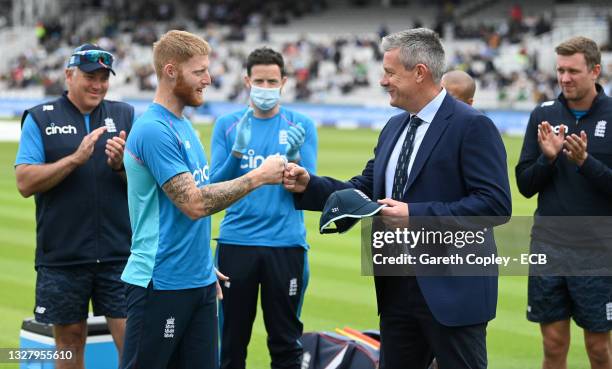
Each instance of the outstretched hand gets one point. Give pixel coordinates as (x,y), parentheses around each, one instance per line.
(243,132)
(295,139)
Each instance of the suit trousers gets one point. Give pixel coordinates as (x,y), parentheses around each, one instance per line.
(411,336)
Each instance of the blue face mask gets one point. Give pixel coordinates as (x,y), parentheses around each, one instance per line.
(265,98)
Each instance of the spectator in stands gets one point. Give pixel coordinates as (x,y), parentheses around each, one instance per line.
(383,30)
(133,22)
(460,85)
(542,26)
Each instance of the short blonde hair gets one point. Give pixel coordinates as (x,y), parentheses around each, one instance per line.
(582,45)
(177,47)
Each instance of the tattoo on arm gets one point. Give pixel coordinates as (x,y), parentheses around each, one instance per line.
(181,189)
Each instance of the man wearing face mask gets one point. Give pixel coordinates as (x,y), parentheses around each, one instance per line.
(262,239)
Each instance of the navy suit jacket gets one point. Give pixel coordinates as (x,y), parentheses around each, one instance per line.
(459,170)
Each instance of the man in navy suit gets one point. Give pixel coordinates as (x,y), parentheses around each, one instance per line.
(439,158)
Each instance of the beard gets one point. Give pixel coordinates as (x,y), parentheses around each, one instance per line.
(187,94)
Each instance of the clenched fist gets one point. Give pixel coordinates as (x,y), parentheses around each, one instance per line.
(271,170)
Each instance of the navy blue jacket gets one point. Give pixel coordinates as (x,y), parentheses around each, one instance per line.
(83,219)
(459,170)
(570,196)
(563,188)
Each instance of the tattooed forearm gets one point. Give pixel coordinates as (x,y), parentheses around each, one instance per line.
(218,196)
(179,188)
(199,202)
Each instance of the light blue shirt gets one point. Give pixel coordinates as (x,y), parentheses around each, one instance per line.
(266,216)
(168,248)
(427,115)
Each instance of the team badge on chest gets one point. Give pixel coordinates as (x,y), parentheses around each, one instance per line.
(110,125)
(600,129)
(282,137)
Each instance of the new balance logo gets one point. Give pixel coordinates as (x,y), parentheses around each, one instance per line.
(57,130)
(293,287)
(40,310)
(169,330)
(600,128)
(47,107)
(609,310)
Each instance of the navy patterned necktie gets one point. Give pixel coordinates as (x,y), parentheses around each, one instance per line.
(401,170)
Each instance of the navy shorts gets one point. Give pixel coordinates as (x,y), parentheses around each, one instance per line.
(588,300)
(63,293)
(171,328)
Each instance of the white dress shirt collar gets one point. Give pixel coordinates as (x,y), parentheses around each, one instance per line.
(429,111)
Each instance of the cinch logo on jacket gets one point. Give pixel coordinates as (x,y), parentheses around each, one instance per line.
(57,130)
(557,128)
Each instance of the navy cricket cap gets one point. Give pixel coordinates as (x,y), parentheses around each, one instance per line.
(344,208)
(89,58)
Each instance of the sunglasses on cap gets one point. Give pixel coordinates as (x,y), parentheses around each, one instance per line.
(92,56)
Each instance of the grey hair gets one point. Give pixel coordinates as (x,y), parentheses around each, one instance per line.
(418,46)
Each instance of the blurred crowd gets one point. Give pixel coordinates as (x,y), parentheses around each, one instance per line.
(344,66)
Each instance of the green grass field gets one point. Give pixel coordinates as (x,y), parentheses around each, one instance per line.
(337,295)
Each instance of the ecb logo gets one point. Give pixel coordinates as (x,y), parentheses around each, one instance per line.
(282,137)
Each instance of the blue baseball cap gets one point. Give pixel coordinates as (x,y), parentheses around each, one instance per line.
(89,58)
(344,208)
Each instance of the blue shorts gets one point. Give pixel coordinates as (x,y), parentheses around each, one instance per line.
(63,293)
(171,328)
(588,300)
